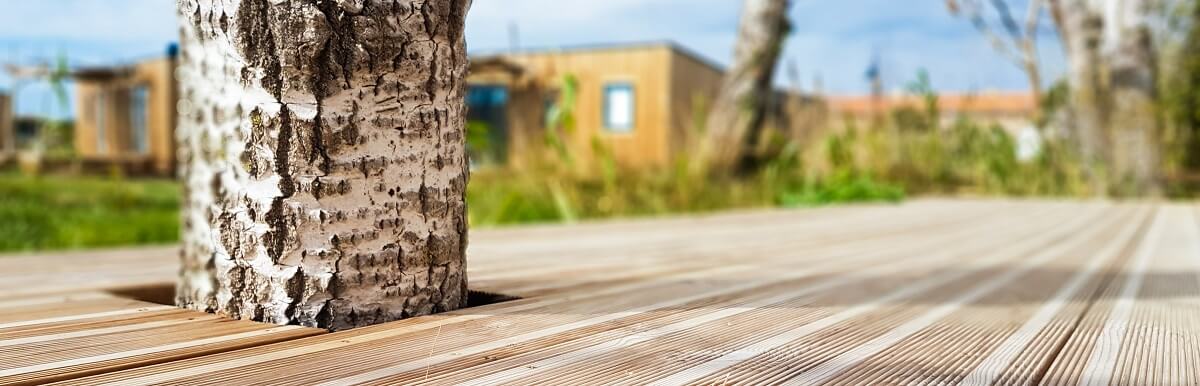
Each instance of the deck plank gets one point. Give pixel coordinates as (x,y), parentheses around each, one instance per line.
(50,338)
(930,292)
(1142,329)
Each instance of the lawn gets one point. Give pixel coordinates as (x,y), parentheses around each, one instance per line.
(72,212)
(44,213)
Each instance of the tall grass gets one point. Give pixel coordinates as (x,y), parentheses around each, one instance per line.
(925,152)
(964,158)
(506,196)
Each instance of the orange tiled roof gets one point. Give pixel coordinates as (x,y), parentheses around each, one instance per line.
(982,103)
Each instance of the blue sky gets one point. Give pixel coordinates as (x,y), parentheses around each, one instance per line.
(833,40)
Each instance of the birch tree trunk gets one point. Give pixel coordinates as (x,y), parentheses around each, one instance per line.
(1081,28)
(322,150)
(1113,79)
(740,107)
(1133,84)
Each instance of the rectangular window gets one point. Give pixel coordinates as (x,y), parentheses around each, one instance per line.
(98,107)
(138,118)
(618,107)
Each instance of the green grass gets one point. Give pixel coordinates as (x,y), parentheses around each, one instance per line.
(47,213)
(503,196)
(63,212)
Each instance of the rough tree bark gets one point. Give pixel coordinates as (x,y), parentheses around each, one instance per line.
(740,107)
(322,150)
(1133,83)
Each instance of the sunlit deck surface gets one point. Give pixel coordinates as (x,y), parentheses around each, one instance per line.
(928,292)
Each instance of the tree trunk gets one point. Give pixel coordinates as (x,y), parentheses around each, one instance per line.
(1133,89)
(1113,78)
(1033,74)
(1081,27)
(1029,56)
(1185,91)
(321,145)
(740,107)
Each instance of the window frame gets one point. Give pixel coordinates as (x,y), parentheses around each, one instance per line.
(140,136)
(606,123)
(100,113)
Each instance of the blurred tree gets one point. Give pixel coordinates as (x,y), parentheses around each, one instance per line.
(323,158)
(1184,90)
(740,107)
(1080,26)
(1133,79)
(1021,43)
(1112,79)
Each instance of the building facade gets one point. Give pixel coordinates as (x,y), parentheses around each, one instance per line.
(639,100)
(125,116)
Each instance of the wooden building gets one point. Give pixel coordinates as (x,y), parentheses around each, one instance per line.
(639,100)
(125,116)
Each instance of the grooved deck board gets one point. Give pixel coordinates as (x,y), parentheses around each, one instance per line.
(973,292)
(58,337)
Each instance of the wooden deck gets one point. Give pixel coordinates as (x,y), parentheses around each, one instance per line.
(929,292)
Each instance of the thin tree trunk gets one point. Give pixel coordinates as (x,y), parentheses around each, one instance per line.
(1133,88)
(740,107)
(1029,56)
(1081,27)
(322,152)
(1034,74)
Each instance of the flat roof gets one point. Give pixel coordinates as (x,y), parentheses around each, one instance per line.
(616,46)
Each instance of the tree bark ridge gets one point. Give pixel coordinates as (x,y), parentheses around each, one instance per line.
(322,151)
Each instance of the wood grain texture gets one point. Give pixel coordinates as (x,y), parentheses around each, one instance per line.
(62,337)
(929,292)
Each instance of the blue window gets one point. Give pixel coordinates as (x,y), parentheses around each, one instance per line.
(618,107)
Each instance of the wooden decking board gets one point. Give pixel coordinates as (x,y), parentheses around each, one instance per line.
(675,259)
(1137,330)
(829,351)
(69,336)
(837,288)
(878,310)
(545,273)
(83,271)
(718,254)
(958,342)
(929,292)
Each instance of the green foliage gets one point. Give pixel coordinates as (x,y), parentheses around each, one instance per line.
(39,213)
(1053,101)
(1181,100)
(604,189)
(916,151)
(498,197)
(923,88)
(479,143)
(560,118)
